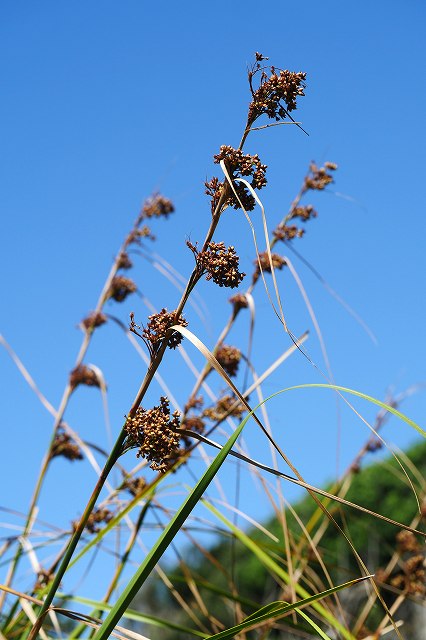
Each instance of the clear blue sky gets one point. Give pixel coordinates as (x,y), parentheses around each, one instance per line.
(104,102)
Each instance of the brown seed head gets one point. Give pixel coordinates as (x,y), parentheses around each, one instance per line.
(277,91)
(93,320)
(229,358)
(223,408)
(124,261)
(319,177)
(135,486)
(219,263)
(263,261)
(239,301)
(96,518)
(120,288)
(239,165)
(155,433)
(83,375)
(157,327)
(157,206)
(288,232)
(64,446)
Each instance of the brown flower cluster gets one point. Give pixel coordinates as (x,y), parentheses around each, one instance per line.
(286,232)
(263,261)
(239,301)
(157,206)
(223,408)
(135,486)
(44,576)
(319,177)
(120,288)
(64,446)
(137,233)
(93,320)
(277,92)
(214,189)
(157,328)
(124,261)
(83,375)
(219,263)
(155,432)
(411,576)
(239,165)
(96,518)
(229,359)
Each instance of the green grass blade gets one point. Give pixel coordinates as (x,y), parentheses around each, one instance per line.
(137,616)
(275,568)
(166,538)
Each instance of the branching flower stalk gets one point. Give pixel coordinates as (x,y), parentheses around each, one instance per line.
(268,100)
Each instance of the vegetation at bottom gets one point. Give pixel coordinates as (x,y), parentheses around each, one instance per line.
(384,549)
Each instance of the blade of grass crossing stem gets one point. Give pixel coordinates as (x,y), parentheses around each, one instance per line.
(273,566)
(280,608)
(166,538)
(137,616)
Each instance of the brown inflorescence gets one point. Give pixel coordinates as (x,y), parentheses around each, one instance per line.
(194,402)
(319,177)
(96,518)
(157,328)
(135,486)
(239,165)
(263,261)
(239,301)
(136,235)
(120,288)
(44,576)
(277,92)
(83,375)
(219,263)
(64,446)
(229,358)
(155,432)
(225,407)
(93,320)
(412,578)
(124,261)
(157,206)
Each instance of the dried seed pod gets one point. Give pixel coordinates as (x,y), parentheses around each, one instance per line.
(120,288)
(93,320)
(229,358)
(155,432)
(219,263)
(64,446)
(83,375)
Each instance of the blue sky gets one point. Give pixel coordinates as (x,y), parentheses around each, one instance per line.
(103,103)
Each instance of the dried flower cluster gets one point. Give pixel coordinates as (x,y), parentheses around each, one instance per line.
(83,375)
(277,92)
(137,233)
(263,261)
(93,320)
(227,405)
(239,165)
(219,263)
(96,518)
(44,576)
(239,301)
(155,432)
(229,359)
(64,446)
(135,486)
(157,206)
(319,177)
(120,288)
(411,576)
(124,261)
(157,328)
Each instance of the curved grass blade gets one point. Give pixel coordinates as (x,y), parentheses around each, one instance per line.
(275,568)
(166,538)
(280,608)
